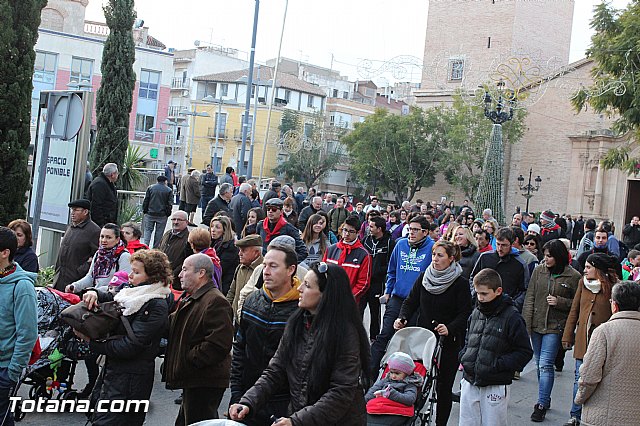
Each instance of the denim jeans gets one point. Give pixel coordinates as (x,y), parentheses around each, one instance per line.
(391,312)
(6,390)
(149,222)
(576,410)
(545,348)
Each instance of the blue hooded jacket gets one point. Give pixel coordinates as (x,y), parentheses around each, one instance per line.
(405,266)
(18,320)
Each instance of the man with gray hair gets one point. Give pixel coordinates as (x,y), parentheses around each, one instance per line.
(198,358)
(218,204)
(103,196)
(175,244)
(240,205)
(305,214)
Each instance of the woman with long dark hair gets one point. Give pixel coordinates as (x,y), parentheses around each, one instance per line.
(442,299)
(321,367)
(314,238)
(254,215)
(590,308)
(223,242)
(328,232)
(546,308)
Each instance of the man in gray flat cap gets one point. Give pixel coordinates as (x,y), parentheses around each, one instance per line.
(250,251)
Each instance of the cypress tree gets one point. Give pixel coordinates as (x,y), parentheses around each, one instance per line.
(114,100)
(18,35)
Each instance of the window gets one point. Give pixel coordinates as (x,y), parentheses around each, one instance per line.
(144,123)
(332,120)
(250,128)
(205,89)
(224,89)
(287,95)
(308,130)
(149,82)
(345,95)
(81,70)
(45,67)
(335,93)
(310,99)
(222,123)
(456,69)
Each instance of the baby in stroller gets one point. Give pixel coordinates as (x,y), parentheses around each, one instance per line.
(390,401)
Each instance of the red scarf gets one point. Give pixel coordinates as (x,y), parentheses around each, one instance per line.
(345,249)
(549,230)
(135,245)
(276,229)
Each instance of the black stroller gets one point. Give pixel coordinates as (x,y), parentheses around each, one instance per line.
(425,349)
(52,374)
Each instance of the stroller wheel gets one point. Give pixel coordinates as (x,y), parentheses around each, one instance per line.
(41,391)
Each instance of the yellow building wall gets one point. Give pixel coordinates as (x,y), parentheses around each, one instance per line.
(231,143)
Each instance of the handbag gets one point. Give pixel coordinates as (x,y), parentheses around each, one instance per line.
(98,323)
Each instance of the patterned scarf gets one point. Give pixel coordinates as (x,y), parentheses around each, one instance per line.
(437,282)
(106,259)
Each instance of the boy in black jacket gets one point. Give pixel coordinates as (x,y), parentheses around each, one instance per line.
(496,346)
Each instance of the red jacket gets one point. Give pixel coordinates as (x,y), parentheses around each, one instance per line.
(356,262)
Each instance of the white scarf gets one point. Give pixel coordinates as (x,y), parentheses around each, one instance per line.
(133,298)
(592,285)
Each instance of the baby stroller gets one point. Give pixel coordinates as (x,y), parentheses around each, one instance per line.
(52,367)
(424,348)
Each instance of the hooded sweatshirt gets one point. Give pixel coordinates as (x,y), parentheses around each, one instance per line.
(19,322)
(406,264)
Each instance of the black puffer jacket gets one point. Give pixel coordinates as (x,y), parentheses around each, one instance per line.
(229,261)
(341,404)
(257,339)
(496,346)
(468,260)
(129,368)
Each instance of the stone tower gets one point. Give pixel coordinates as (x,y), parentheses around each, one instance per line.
(65,16)
(466,36)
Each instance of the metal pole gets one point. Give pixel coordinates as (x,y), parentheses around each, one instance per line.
(529,189)
(193,134)
(42,168)
(273,92)
(249,170)
(215,150)
(247,106)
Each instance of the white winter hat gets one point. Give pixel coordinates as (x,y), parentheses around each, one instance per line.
(534,227)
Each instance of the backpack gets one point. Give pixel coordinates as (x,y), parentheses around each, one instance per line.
(624,251)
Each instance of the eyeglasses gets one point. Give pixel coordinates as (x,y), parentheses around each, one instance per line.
(348,231)
(416,229)
(273,208)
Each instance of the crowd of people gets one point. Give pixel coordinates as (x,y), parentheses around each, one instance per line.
(251,300)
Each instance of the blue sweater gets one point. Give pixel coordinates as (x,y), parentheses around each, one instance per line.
(19,322)
(405,265)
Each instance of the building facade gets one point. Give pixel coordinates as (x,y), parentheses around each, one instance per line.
(69,55)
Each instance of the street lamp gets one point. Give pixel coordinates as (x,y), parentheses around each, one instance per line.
(528,187)
(212,100)
(499,116)
(194,113)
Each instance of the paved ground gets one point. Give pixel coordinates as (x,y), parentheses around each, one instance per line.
(524,395)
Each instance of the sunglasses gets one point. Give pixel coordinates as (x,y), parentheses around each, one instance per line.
(273,208)
(530,243)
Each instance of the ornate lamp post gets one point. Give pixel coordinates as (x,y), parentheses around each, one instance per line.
(528,187)
(491,189)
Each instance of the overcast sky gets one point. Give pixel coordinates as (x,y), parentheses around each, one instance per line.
(350,30)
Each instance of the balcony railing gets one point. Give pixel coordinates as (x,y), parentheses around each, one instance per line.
(170,140)
(180,83)
(237,134)
(174,111)
(211,132)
